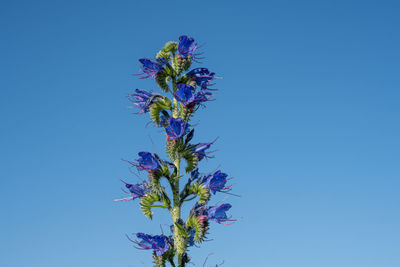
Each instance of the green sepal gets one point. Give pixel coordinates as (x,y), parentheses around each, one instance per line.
(191,160)
(161,80)
(155,113)
(187,63)
(154,178)
(162,103)
(186,112)
(174,148)
(177,65)
(183,79)
(201,229)
(202,192)
(147,201)
(192,83)
(165,200)
(170,47)
(159,261)
(177,148)
(163,54)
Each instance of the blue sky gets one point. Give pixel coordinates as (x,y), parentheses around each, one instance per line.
(307,115)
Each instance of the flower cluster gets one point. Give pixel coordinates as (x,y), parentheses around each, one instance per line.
(185,91)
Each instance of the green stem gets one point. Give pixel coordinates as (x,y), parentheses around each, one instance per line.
(189,199)
(179,242)
(158,206)
(172,262)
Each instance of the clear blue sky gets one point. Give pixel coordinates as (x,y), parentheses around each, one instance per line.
(307,113)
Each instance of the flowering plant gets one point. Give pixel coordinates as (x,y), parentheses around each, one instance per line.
(187,92)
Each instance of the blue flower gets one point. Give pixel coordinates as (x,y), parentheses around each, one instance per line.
(135,191)
(216,182)
(185,95)
(159,243)
(202,76)
(191,233)
(143,99)
(186,46)
(199,210)
(200,150)
(218,213)
(147,161)
(152,67)
(176,128)
(194,175)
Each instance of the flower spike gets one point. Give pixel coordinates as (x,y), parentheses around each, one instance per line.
(183,91)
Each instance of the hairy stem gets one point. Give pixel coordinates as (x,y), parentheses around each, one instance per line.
(179,242)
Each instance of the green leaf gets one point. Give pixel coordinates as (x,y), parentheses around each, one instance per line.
(182,232)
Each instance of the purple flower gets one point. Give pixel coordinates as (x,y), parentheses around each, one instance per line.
(218,213)
(202,76)
(200,150)
(185,95)
(176,128)
(216,182)
(159,243)
(151,68)
(135,191)
(146,162)
(143,99)
(186,46)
